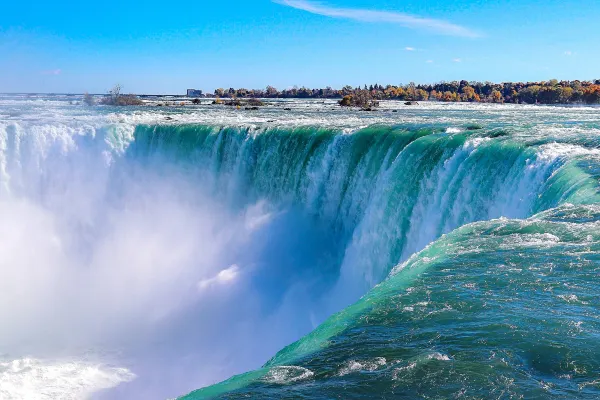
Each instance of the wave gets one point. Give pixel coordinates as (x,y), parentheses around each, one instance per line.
(476,311)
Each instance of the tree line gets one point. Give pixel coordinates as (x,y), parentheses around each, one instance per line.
(545,92)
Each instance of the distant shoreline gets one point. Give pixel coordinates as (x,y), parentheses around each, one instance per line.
(158,100)
(544,92)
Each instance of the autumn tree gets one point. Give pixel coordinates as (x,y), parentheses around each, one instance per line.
(360,98)
(591,94)
(468,94)
(497,97)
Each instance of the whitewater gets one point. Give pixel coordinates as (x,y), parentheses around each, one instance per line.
(298,251)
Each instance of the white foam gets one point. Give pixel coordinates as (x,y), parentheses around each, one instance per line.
(366,365)
(438,356)
(34,379)
(530,240)
(400,371)
(572,298)
(287,374)
(552,151)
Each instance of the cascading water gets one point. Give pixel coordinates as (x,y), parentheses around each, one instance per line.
(155,257)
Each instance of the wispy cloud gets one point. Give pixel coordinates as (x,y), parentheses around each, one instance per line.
(52,72)
(410,49)
(406,20)
(226,276)
(568,53)
(429,61)
(457,60)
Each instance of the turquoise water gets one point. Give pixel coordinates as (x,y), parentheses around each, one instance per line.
(504,307)
(498,309)
(441,251)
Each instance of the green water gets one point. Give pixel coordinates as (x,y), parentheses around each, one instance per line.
(501,308)
(497,309)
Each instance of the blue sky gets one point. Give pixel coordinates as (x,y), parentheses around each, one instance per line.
(168,46)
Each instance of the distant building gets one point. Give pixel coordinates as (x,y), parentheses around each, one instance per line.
(194,93)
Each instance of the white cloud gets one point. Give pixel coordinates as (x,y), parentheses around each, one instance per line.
(429,61)
(409,49)
(568,53)
(406,20)
(222,278)
(457,60)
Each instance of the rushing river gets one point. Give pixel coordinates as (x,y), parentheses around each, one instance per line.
(429,251)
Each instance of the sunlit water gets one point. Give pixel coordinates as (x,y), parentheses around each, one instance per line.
(146,252)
